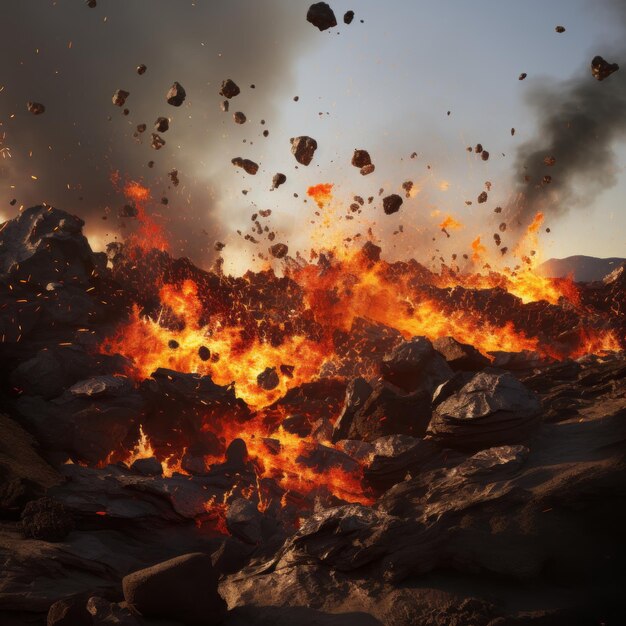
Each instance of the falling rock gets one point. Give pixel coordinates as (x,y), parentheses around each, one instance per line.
(229,89)
(492,409)
(173,176)
(204,353)
(268,379)
(128,210)
(176,95)
(361,158)
(239,117)
(278,180)
(482,198)
(161,125)
(460,356)
(46,519)
(484,155)
(157,141)
(348,17)
(560,29)
(250,167)
(392,203)
(119,97)
(183,589)
(522,76)
(321,15)
(367,169)
(141,69)
(36,108)
(601,69)
(303,148)
(278,250)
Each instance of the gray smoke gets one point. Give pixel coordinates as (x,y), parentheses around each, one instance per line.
(580,120)
(73,58)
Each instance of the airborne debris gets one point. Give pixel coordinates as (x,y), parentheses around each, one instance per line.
(367,169)
(278,180)
(268,379)
(36,108)
(229,89)
(560,29)
(128,210)
(484,155)
(549,161)
(141,69)
(249,166)
(141,128)
(482,198)
(522,76)
(161,125)
(321,15)
(278,250)
(157,141)
(361,158)
(348,16)
(173,174)
(601,69)
(239,117)
(407,185)
(176,95)
(303,148)
(392,203)
(219,246)
(119,97)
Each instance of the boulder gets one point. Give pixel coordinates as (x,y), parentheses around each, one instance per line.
(183,589)
(460,356)
(46,519)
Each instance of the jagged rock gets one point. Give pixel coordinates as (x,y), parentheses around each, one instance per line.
(229,89)
(244,520)
(321,15)
(278,180)
(278,250)
(36,108)
(297,425)
(161,125)
(415,365)
(392,203)
(147,467)
(119,97)
(176,95)
(492,409)
(71,611)
(101,386)
(46,519)
(361,158)
(239,118)
(348,17)
(183,589)
(268,379)
(250,167)
(303,148)
(601,69)
(357,392)
(105,613)
(460,356)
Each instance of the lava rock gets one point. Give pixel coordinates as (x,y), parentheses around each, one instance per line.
(303,148)
(361,158)
(128,211)
(482,198)
(492,409)
(348,16)
(119,97)
(225,105)
(297,425)
(157,141)
(150,466)
(71,611)
(460,356)
(36,108)
(239,117)
(204,353)
(321,15)
(244,520)
(268,379)
(229,89)
(601,69)
(176,95)
(161,125)
(357,392)
(278,180)
(141,69)
(183,589)
(101,386)
(250,167)
(278,250)
(392,203)
(367,169)
(46,519)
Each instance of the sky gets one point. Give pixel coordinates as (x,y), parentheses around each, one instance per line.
(385,84)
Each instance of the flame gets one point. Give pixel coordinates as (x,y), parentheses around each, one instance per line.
(479,250)
(322,194)
(449,223)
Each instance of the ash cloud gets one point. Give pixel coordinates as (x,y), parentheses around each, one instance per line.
(73,58)
(580,120)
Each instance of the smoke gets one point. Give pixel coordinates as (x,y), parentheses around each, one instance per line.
(72,59)
(580,121)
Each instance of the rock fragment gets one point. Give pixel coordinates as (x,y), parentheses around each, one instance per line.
(482,198)
(601,69)
(348,16)
(229,89)
(268,378)
(392,203)
(36,108)
(361,158)
(279,250)
(278,179)
(173,174)
(321,15)
(157,141)
(522,76)
(141,69)
(560,29)
(249,166)
(46,519)
(303,148)
(239,117)
(161,125)
(119,97)
(176,95)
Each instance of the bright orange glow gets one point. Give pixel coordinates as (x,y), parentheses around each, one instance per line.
(322,193)
(449,223)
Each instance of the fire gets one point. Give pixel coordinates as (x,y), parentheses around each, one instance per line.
(322,194)
(449,223)
(479,250)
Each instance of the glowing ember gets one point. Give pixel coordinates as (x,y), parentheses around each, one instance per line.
(322,193)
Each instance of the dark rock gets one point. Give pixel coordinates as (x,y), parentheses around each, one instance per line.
(492,409)
(601,69)
(157,141)
(147,467)
(239,118)
(414,365)
(278,250)
(460,356)
(371,252)
(303,148)
(237,453)
(482,198)
(204,353)
(119,97)
(357,392)
(36,108)
(46,519)
(229,89)
(71,611)
(183,589)
(249,166)
(161,125)
(321,15)
(101,386)
(522,76)
(392,203)
(244,520)
(297,425)
(278,180)
(225,106)
(268,379)
(128,210)
(141,69)
(560,29)
(106,613)
(348,17)
(367,169)
(176,95)
(361,158)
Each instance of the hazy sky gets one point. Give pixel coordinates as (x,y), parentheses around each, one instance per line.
(385,85)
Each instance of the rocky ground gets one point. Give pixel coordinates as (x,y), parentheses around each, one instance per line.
(496,492)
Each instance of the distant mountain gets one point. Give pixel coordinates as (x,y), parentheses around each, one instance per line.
(583,268)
